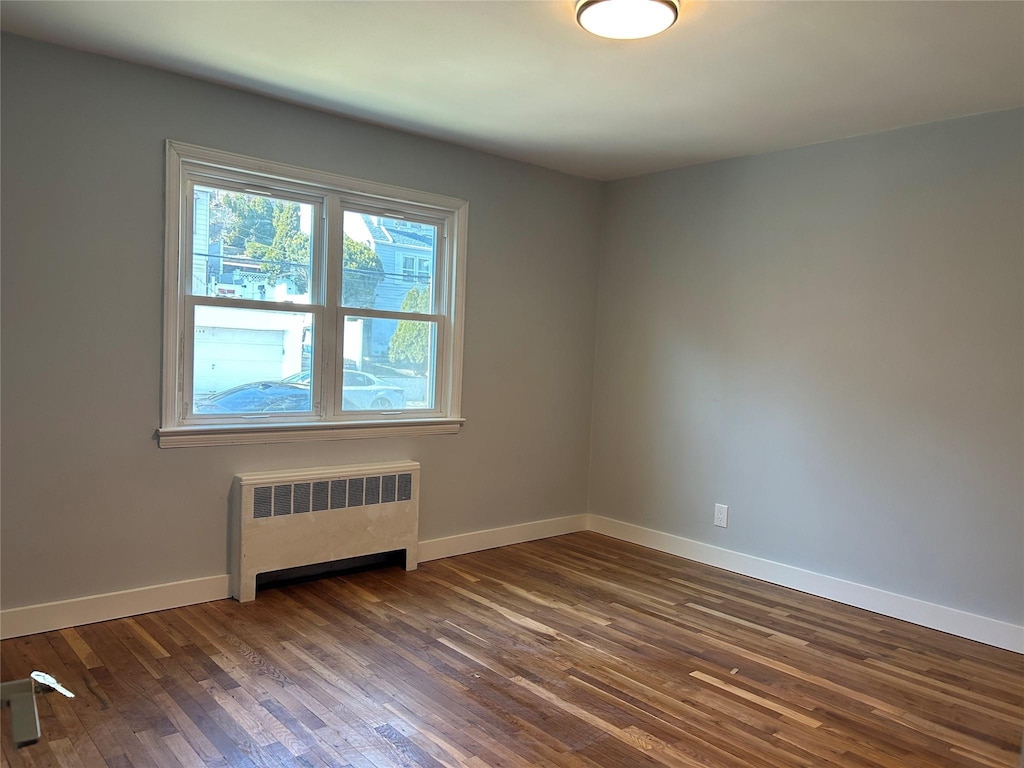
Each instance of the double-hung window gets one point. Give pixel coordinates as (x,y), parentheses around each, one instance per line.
(289,312)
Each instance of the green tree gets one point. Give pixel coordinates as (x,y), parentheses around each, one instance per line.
(287,254)
(266,230)
(362,272)
(243,219)
(411,340)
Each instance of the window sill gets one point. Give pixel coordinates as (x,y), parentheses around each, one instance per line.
(196,436)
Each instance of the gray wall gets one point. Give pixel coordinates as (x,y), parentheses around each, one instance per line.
(830,341)
(90,504)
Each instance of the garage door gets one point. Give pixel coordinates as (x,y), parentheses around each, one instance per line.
(227,357)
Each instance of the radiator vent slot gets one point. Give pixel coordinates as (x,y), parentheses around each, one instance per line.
(295,518)
(282,500)
(404,487)
(321,496)
(387,489)
(300,498)
(355,491)
(262,502)
(372,491)
(338,493)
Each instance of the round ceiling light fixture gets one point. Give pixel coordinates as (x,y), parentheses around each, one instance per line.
(626,19)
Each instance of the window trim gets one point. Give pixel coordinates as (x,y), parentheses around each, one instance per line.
(175,429)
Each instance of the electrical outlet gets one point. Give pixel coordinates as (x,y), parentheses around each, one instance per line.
(721,515)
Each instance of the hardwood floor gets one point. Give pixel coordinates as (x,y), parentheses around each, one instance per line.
(573,651)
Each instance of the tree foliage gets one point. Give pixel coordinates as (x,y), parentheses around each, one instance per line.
(362,272)
(269,231)
(243,219)
(266,230)
(411,340)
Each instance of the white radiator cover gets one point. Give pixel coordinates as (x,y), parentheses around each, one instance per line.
(300,517)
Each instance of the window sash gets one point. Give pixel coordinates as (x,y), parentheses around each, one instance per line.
(187,383)
(436,382)
(285,194)
(442,256)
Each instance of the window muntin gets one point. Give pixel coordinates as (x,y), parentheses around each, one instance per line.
(290,284)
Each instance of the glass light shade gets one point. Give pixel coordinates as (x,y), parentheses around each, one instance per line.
(626,19)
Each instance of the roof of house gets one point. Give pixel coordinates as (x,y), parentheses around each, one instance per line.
(396,235)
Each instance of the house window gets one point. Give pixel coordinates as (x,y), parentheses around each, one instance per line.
(282,321)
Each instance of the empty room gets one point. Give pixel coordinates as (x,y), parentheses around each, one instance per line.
(578,383)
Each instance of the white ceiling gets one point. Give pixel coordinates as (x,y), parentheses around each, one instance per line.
(521,80)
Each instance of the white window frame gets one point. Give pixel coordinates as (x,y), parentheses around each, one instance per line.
(330,195)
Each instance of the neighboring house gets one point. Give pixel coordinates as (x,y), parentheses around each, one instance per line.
(406,252)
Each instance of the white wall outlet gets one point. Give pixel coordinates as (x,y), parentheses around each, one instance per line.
(721,515)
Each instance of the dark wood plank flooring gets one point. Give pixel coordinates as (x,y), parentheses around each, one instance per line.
(574,651)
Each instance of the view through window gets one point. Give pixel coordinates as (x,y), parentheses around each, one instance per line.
(301,301)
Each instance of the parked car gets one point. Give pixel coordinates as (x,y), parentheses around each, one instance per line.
(384,371)
(258,397)
(368,392)
(360,391)
(297,378)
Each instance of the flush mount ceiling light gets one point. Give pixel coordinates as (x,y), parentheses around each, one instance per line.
(626,19)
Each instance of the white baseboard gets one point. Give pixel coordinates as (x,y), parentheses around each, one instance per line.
(985,630)
(31,619)
(44,617)
(463,543)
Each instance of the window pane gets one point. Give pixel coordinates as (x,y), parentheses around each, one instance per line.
(250,246)
(388,263)
(251,361)
(389,364)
